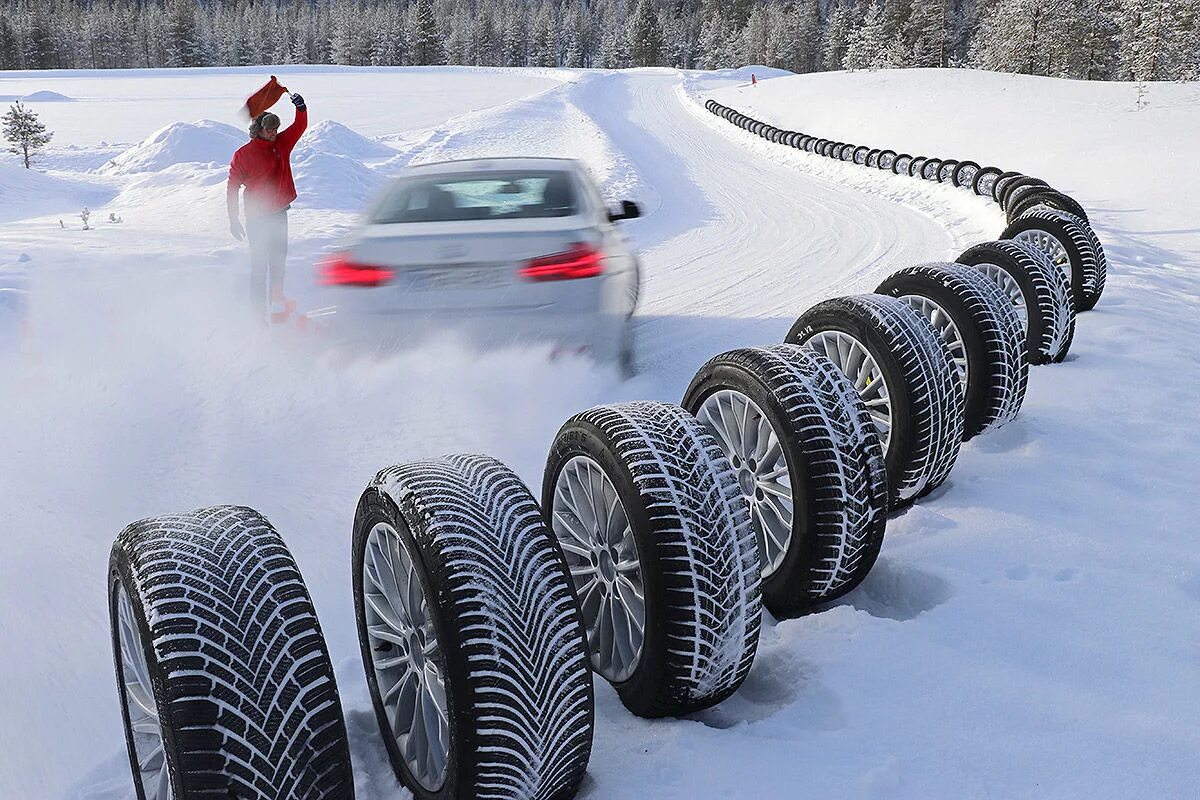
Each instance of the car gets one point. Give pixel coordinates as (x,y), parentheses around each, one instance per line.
(499,251)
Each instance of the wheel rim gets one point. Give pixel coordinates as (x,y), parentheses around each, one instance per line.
(754,449)
(406,657)
(857,363)
(138,695)
(1048,244)
(1010,287)
(590,522)
(946,330)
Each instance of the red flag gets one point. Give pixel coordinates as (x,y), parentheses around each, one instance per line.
(264,98)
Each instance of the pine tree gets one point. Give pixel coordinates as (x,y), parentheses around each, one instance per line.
(424,40)
(24,132)
(645,35)
(925,31)
(836,37)
(865,44)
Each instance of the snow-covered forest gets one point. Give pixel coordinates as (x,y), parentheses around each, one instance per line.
(1097,39)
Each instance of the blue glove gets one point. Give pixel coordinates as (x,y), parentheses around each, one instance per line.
(298,102)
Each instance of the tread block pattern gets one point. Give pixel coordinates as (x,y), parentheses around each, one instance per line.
(249,687)
(706,542)
(1089,267)
(504,581)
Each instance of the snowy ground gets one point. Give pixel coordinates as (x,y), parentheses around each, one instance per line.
(1031,630)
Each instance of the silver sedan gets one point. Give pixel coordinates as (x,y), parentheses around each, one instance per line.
(500,251)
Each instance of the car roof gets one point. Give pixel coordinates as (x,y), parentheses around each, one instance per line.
(504,164)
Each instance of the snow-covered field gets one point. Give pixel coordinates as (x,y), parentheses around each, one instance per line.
(1032,629)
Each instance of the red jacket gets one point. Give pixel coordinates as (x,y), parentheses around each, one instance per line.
(265,169)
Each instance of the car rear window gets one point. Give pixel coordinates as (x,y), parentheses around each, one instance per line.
(492,195)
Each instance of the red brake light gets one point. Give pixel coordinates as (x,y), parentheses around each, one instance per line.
(581,261)
(340,270)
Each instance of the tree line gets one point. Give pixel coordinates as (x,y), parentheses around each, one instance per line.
(1138,40)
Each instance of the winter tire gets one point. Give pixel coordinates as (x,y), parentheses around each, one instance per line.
(819,146)
(847,153)
(1002,181)
(873,158)
(916,166)
(710,106)
(471,638)
(979,325)
(901,164)
(1038,290)
(887,158)
(225,684)
(1013,188)
(860,154)
(1071,245)
(1044,196)
(649,513)
(964,174)
(809,464)
(984,181)
(945,172)
(909,383)
(931,169)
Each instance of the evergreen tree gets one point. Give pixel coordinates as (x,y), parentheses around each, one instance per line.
(424,39)
(645,35)
(865,44)
(837,36)
(926,33)
(24,132)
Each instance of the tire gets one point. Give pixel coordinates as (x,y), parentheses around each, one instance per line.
(946,171)
(1038,290)
(887,158)
(860,154)
(1051,198)
(901,163)
(213,628)
(689,540)
(873,158)
(916,166)
(984,180)
(832,459)
(810,144)
(1013,188)
(819,146)
(1071,245)
(920,378)
(980,325)
(1002,181)
(847,153)
(931,169)
(710,106)
(964,174)
(499,631)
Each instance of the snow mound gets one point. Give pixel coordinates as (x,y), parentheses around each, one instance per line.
(335,138)
(46,96)
(325,180)
(203,142)
(28,193)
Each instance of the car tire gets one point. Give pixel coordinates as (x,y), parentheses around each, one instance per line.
(902,163)
(687,543)
(1071,245)
(1001,181)
(225,683)
(1038,290)
(1014,187)
(923,402)
(931,169)
(1051,198)
(916,165)
(456,573)
(946,171)
(872,159)
(984,180)
(980,326)
(886,160)
(820,528)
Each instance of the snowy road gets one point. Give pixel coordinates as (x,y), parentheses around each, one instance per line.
(1019,638)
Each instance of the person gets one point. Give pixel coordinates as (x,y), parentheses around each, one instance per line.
(263,166)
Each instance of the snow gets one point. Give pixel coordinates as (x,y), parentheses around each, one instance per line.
(1031,629)
(205,141)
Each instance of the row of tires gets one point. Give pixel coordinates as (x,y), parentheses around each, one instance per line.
(1036,212)
(661,533)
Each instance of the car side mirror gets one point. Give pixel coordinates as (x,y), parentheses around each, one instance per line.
(629,210)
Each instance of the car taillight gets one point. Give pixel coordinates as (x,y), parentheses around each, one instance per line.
(581,261)
(341,270)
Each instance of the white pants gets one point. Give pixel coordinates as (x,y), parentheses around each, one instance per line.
(268,237)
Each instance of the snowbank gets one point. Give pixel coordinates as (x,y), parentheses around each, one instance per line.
(335,138)
(205,142)
(324,180)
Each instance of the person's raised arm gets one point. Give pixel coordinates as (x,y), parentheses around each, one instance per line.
(288,137)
